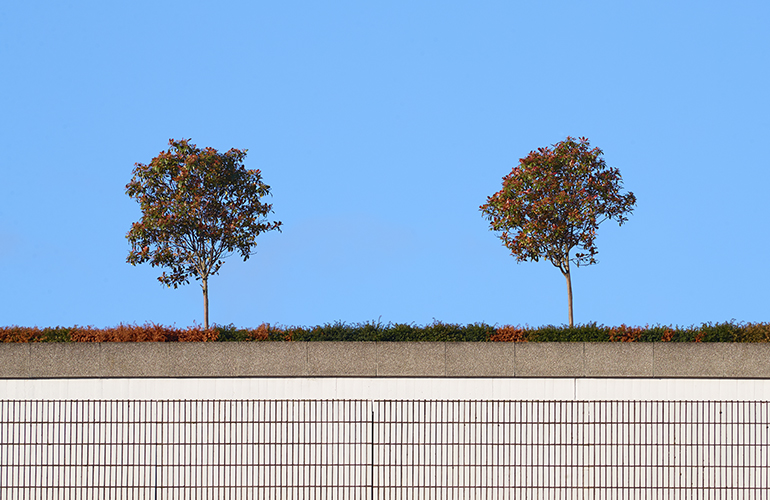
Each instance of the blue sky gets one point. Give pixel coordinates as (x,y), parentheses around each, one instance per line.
(381,127)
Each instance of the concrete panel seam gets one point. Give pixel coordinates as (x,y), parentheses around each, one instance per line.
(445,360)
(513,363)
(29,361)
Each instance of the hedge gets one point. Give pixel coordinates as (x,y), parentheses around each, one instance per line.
(395,332)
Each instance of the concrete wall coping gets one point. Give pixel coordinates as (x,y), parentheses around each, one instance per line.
(384,359)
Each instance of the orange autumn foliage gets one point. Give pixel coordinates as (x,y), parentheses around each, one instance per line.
(20,334)
(149,332)
(508,333)
(625,333)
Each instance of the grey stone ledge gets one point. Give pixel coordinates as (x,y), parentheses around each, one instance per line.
(549,359)
(384,359)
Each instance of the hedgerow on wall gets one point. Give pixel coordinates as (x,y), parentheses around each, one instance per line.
(394,332)
(149,332)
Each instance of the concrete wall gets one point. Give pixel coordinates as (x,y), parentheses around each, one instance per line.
(384,359)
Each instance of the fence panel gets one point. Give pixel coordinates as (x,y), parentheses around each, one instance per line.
(333,449)
(185,449)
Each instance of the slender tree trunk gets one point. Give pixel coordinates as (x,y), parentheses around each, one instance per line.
(205,286)
(569,293)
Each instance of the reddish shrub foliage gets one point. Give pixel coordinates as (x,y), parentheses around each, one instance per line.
(625,333)
(149,332)
(509,333)
(668,335)
(265,332)
(20,334)
(262,332)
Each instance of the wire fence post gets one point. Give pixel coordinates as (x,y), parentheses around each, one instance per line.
(372,447)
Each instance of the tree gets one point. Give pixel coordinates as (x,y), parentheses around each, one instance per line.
(199,206)
(553,201)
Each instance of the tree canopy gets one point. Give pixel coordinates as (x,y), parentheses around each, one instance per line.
(553,201)
(199,206)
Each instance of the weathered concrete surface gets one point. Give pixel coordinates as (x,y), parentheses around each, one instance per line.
(618,359)
(480,359)
(384,359)
(411,359)
(341,359)
(550,359)
(690,359)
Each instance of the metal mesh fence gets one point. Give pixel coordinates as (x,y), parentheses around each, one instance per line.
(304,449)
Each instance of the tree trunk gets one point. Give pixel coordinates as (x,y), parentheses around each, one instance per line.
(205,286)
(569,293)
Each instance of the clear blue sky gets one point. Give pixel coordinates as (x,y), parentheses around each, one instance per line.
(381,127)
